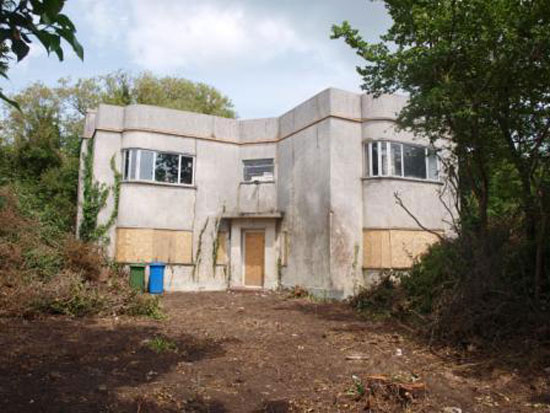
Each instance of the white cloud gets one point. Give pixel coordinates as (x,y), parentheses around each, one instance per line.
(265,55)
(107,19)
(176,34)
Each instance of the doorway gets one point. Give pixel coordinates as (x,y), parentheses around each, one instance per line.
(254,258)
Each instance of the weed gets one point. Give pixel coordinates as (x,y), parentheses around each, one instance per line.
(298,292)
(160,344)
(358,389)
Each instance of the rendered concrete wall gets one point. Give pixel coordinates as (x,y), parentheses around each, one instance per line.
(346,201)
(216,178)
(304,198)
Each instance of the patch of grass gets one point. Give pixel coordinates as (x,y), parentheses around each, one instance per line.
(161,344)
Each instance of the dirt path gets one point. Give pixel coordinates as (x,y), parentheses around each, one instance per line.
(241,352)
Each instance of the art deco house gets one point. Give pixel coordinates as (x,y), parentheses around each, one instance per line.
(305,199)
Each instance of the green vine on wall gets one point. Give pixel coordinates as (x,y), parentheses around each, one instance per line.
(198,256)
(94,199)
(216,241)
(101,230)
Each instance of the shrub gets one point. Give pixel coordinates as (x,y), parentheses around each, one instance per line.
(84,258)
(476,288)
(71,296)
(144,305)
(43,262)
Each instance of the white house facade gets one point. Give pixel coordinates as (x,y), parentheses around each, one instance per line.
(305,199)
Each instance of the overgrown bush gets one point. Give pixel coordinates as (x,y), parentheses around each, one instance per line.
(467,289)
(45,271)
(477,287)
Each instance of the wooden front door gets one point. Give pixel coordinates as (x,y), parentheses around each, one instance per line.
(254,255)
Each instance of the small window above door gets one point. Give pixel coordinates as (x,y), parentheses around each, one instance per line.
(258,170)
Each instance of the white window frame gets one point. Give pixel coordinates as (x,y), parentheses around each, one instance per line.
(153,180)
(389,158)
(192,172)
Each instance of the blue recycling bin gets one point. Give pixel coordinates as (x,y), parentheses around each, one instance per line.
(156,277)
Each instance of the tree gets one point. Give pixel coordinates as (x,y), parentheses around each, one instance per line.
(22,20)
(121,88)
(477,73)
(177,93)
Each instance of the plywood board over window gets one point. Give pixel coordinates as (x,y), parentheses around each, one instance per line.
(148,245)
(376,249)
(394,248)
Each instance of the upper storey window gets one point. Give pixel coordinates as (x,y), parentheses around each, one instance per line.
(258,170)
(387,158)
(165,167)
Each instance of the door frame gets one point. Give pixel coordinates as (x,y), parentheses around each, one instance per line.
(243,249)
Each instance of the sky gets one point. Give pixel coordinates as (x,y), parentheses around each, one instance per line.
(266,55)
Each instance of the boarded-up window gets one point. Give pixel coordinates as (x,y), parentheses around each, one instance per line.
(395,248)
(376,249)
(148,245)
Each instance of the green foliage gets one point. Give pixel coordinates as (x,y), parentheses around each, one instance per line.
(94,197)
(182,94)
(438,270)
(94,200)
(43,262)
(473,289)
(121,88)
(22,20)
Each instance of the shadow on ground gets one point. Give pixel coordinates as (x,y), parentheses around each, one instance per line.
(67,365)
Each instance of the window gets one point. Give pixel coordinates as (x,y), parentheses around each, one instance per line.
(166,168)
(399,159)
(258,170)
(145,165)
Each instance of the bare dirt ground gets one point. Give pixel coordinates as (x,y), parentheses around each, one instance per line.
(246,352)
